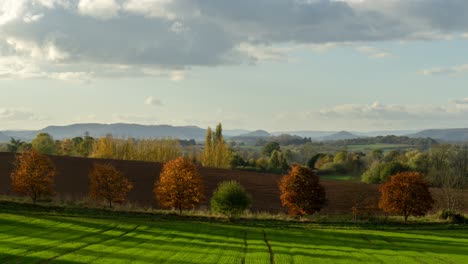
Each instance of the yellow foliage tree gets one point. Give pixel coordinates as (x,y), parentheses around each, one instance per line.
(216,153)
(154,150)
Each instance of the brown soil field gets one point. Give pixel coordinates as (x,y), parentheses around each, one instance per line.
(72,183)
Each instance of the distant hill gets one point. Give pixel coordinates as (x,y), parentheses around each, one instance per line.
(118,130)
(4,138)
(256,134)
(235,132)
(342,135)
(451,135)
(315,135)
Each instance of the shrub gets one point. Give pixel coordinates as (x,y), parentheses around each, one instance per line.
(301,191)
(330,168)
(33,175)
(407,194)
(452,216)
(230,199)
(106,182)
(380,172)
(180,185)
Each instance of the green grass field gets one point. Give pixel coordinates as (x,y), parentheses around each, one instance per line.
(34,236)
(339,177)
(383,147)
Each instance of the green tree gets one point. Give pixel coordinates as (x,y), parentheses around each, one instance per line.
(44,143)
(86,146)
(340,157)
(230,199)
(15,145)
(270,147)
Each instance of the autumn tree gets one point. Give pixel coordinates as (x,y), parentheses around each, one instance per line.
(301,191)
(33,175)
(155,150)
(106,182)
(406,193)
(180,185)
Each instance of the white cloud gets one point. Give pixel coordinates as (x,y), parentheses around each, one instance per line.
(373,52)
(16,114)
(30,18)
(179,27)
(150,8)
(463,101)
(153,101)
(101,9)
(10,10)
(445,70)
(49,51)
(261,53)
(388,112)
(53,3)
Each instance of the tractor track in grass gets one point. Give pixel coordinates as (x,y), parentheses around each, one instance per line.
(59,243)
(245,247)
(90,244)
(272,255)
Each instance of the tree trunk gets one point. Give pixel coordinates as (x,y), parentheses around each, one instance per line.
(406,218)
(110,203)
(180,209)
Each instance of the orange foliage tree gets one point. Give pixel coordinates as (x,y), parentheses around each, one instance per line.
(106,182)
(180,185)
(407,194)
(301,191)
(33,175)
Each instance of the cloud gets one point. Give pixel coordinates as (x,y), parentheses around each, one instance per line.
(16,114)
(259,53)
(374,52)
(153,101)
(99,35)
(445,70)
(463,101)
(100,9)
(378,116)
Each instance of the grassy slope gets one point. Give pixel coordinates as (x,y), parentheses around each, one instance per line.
(56,236)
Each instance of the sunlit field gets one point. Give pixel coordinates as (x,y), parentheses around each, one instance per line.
(40,237)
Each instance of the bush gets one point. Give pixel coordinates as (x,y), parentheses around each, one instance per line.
(380,172)
(452,216)
(230,199)
(330,168)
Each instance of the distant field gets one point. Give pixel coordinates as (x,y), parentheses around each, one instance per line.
(28,237)
(383,147)
(339,177)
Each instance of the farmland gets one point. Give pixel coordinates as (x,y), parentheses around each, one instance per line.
(41,235)
(72,184)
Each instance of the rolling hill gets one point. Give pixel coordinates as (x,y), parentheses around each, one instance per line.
(118,130)
(450,135)
(342,135)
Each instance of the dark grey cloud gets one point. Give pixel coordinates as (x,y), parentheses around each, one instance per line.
(61,36)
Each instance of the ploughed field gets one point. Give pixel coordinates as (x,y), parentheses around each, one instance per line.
(34,236)
(72,183)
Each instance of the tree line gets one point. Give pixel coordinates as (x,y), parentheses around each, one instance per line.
(181,187)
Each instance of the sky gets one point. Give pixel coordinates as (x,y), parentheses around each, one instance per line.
(278,65)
